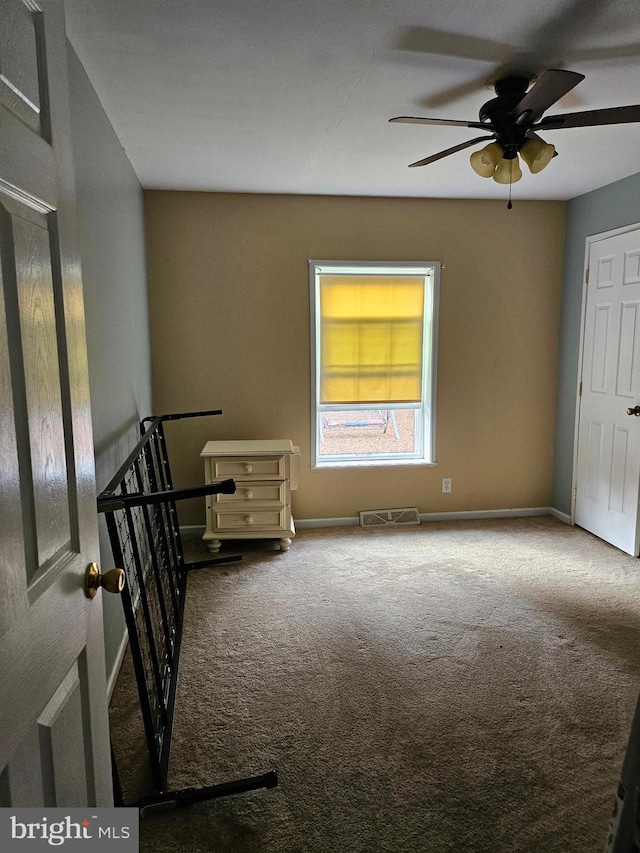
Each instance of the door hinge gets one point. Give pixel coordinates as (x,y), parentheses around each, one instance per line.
(575,494)
(580,390)
(586,276)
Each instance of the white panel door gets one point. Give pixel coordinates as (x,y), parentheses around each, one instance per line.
(608,466)
(54,742)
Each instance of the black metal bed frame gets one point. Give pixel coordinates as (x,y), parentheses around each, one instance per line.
(139,506)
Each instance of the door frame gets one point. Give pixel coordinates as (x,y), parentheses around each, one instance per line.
(592,238)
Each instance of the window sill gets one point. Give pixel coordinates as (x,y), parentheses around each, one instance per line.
(371,463)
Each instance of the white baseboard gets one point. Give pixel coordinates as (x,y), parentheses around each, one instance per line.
(463,515)
(328,522)
(115,671)
(561,516)
(468,515)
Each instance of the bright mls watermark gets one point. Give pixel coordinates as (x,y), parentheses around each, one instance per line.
(69,829)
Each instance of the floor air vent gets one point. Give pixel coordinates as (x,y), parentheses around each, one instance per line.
(389,517)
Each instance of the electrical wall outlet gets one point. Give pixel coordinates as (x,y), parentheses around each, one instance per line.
(446,485)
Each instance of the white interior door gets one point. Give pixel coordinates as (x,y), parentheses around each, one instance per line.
(608,459)
(54,744)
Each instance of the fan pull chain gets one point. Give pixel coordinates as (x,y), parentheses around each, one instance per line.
(509,205)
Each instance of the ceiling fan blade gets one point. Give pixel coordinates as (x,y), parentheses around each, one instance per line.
(448,151)
(447,121)
(443,97)
(591,118)
(555,40)
(551,86)
(441,43)
(594,54)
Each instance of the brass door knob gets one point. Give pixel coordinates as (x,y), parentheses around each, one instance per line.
(111,581)
(635,411)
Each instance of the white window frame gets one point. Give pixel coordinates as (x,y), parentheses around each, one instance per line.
(426,412)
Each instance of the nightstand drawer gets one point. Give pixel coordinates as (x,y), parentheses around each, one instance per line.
(258,468)
(262,492)
(260,520)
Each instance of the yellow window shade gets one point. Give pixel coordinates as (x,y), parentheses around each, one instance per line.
(371,330)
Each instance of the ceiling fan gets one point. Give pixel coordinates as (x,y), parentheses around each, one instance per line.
(513,119)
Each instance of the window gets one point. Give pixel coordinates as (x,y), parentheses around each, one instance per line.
(374,340)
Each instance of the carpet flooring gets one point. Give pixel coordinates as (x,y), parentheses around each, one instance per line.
(454,686)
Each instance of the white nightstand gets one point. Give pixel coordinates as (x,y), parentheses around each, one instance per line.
(265,474)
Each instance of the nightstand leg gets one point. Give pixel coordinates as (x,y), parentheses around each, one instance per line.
(214,545)
(285,544)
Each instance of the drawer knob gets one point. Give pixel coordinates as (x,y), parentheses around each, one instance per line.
(249,494)
(248,469)
(249,519)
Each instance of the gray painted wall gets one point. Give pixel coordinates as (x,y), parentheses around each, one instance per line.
(613,206)
(112,251)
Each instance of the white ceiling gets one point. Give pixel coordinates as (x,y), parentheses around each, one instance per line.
(294,96)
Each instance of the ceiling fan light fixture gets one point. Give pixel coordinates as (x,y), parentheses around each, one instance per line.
(484,162)
(507,171)
(537,154)
(513,117)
